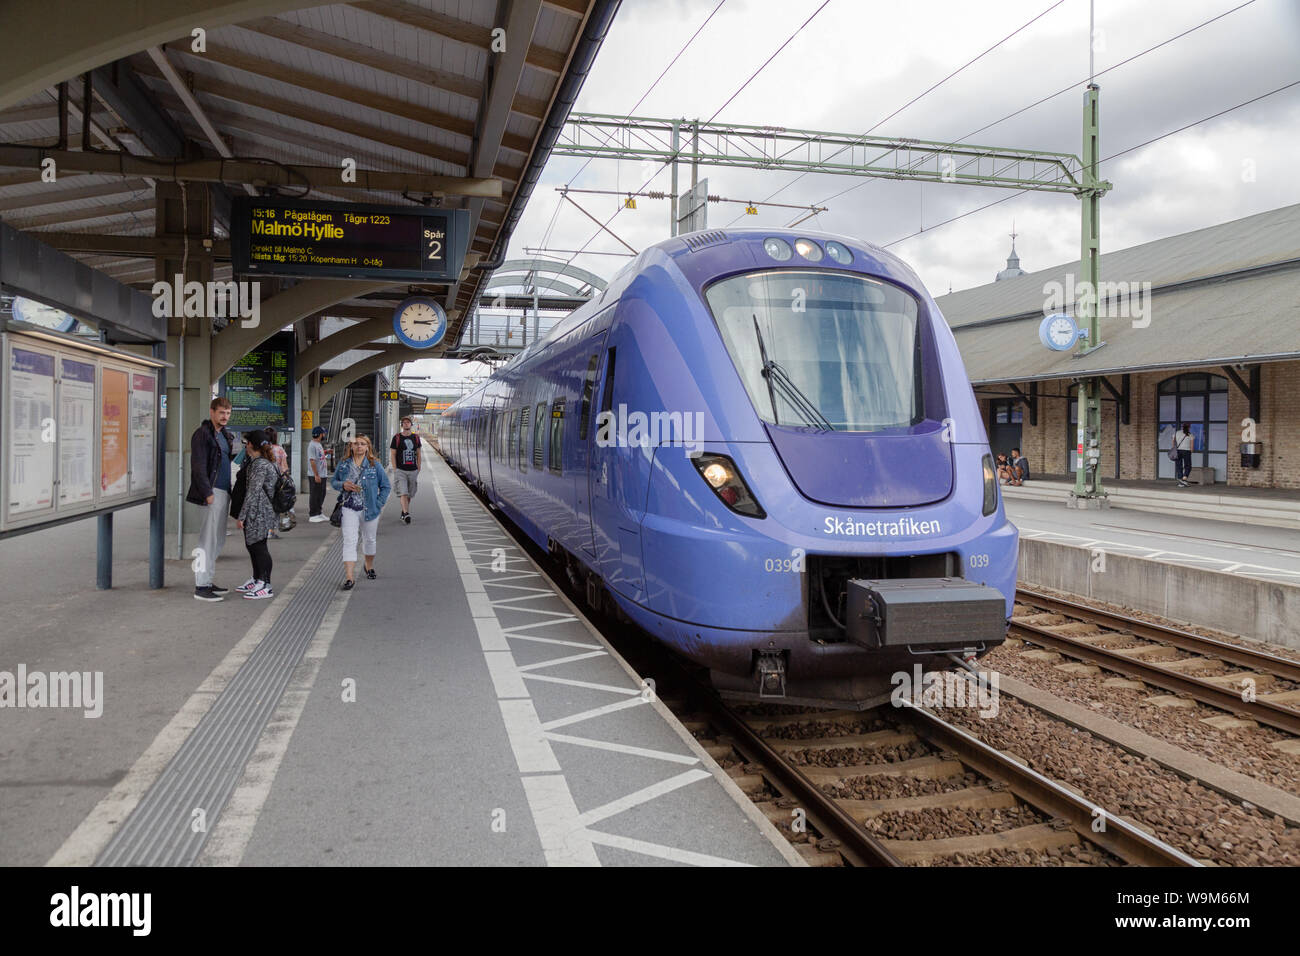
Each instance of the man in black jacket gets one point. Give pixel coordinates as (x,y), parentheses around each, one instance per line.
(212,446)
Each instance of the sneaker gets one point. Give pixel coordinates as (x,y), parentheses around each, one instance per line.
(406,518)
(259,593)
(205,594)
(218,590)
(247,585)
(348,585)
(370,573)
(317,518)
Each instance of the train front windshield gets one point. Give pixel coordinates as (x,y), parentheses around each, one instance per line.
(827,350)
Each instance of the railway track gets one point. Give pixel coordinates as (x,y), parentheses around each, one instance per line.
(1249,693)
(950,771)
(1016,809)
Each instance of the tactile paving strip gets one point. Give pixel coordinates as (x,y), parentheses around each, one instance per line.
(162,829)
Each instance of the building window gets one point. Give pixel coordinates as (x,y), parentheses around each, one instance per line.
(1005,419)
(1200,400)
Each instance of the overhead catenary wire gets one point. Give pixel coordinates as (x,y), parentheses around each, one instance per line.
(559,203)
(921,95)
(1020,192)
(673,158)
(1051,96)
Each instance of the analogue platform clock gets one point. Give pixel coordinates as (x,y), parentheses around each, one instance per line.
(420,322)
(1059,332)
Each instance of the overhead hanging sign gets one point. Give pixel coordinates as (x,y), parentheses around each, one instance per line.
(284,237)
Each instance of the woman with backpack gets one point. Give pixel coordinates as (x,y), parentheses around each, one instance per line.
(257,512)
(280,458)
(364,488)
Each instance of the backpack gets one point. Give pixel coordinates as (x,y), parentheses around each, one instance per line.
(285,495)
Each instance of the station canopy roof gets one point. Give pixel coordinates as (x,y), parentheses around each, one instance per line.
(425,88)
(1222,295)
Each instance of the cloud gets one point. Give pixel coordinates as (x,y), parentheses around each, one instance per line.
(857,63)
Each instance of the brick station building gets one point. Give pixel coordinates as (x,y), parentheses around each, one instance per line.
(1222,345)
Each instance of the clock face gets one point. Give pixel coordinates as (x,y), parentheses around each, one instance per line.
(1058,332)
(421,323)
(1061,332)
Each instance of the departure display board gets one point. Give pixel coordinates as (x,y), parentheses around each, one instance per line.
(259,385)
(270,236)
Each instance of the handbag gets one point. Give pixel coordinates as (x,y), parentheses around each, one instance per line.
(336,516)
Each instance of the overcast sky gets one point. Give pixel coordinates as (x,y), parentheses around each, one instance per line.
(858,61)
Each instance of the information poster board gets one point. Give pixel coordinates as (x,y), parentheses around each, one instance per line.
(143,440)
(78,428)
(31,430)
(113,423)
(76,432)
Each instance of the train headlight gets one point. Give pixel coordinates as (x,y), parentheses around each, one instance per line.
(778,249)
(990,486)
(716,475)
(724,478)
(808,249)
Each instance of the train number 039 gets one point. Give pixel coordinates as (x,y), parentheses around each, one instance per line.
(979,560)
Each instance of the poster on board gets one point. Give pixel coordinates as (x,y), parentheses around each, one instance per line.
(142,433)
(31,432)
(113,478)
(76,432)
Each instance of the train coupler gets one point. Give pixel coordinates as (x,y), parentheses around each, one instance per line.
(770,669)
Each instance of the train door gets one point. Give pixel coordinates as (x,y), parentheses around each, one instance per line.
(594,365)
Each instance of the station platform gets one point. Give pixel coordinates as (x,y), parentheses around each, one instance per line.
(455,711)
(1183,554)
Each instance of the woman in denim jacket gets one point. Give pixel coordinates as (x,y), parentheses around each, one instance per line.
(364,486)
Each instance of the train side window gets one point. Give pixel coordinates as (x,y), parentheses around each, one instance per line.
(607,400)
(588,386)
(522,463)
(539,433)
(557,436)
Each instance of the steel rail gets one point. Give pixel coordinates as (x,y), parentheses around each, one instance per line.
(858,846)
(1281,718)
(1117,836)
(1183,640)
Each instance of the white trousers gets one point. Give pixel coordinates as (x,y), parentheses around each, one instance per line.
(354,526)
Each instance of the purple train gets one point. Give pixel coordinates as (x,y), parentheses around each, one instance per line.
(761,447)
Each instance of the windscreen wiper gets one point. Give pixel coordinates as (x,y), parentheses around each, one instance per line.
(792,394)
(762,354)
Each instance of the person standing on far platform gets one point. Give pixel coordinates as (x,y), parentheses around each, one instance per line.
(1183,442)
(365,489)
(316,462)
(212,447)
(257,514)
(405,455)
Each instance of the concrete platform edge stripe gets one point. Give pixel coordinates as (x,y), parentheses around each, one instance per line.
(206,768)
(626,802)
(751,812)
(660,851)
(621,748)
(85,843)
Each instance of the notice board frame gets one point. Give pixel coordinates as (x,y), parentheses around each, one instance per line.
(58,346)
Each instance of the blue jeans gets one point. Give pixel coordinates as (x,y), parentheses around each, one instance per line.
(1183,466)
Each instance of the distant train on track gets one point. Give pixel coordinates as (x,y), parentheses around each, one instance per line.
(762,447)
